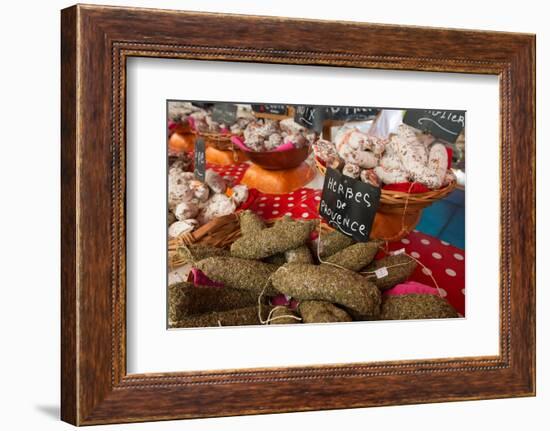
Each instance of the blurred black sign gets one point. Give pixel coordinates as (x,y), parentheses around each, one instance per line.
(350,113)
(349,205)
(200,159)
(271,109)
(445,125)
(224,113)
(313,117)
(203,105)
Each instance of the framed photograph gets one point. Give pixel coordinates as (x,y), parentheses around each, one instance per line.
(263,208)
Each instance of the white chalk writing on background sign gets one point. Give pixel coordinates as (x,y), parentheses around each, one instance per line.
(443,124)
(199,159)
(313,117)
(270,109)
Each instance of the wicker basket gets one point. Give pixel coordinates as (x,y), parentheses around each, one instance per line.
(220,141)
(220,232)
(400,212)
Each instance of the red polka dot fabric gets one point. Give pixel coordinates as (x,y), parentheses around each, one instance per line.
(443,261)
(235,171)
(300,204)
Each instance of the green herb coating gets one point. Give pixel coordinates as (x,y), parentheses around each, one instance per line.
(281,237)
(250,222)
(243,274)
(327,283)
(355,256)
(299,255)
(195,252)
(238,317)
(399,266)
(277,259)
(322,312)
(416,306)
(185,299)
(332,243)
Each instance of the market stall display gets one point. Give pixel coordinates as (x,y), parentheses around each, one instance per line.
(254,225)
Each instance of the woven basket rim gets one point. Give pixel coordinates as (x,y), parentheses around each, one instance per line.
(429,194)
(399,195)
(216,135)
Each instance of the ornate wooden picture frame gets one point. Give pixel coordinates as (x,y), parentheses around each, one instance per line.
(96,42)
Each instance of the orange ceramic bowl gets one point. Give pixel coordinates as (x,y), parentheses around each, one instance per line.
(279,160)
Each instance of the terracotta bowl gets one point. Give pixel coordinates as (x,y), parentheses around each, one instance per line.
(279,160)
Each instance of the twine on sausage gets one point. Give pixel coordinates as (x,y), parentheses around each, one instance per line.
(428,272)
(270,317)
(387,267)
(403,229)
(319,252)
(385,250)
(368,274)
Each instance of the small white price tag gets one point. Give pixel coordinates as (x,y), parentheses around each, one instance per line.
(381,272)
(396,252)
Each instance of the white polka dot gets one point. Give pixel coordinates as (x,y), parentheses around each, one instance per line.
(277,198)
(425,241)
(274,212)
(415,254)
(444,242)
(260,212)
(303,192)
(426,271)
(276,205)
(436,255)
(463,291)
(288,214)
(290,205)
(405,241)
(263,198)
(303,205)
(450,272)
(458,256)
(261,205)
(305,215)
(317,198)
(442,292)
(290,198)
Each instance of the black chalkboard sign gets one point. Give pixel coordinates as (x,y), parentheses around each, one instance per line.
(445,125)
(311,117)
(271,109)
(349,205)
(224,113)
(350,113)
(203,105)
(200,159)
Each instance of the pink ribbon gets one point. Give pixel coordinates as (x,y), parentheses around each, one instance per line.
(199,278)
(410,288)
(237,141)
(283,300)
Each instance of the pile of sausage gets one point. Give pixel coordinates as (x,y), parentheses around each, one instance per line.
(406,156)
